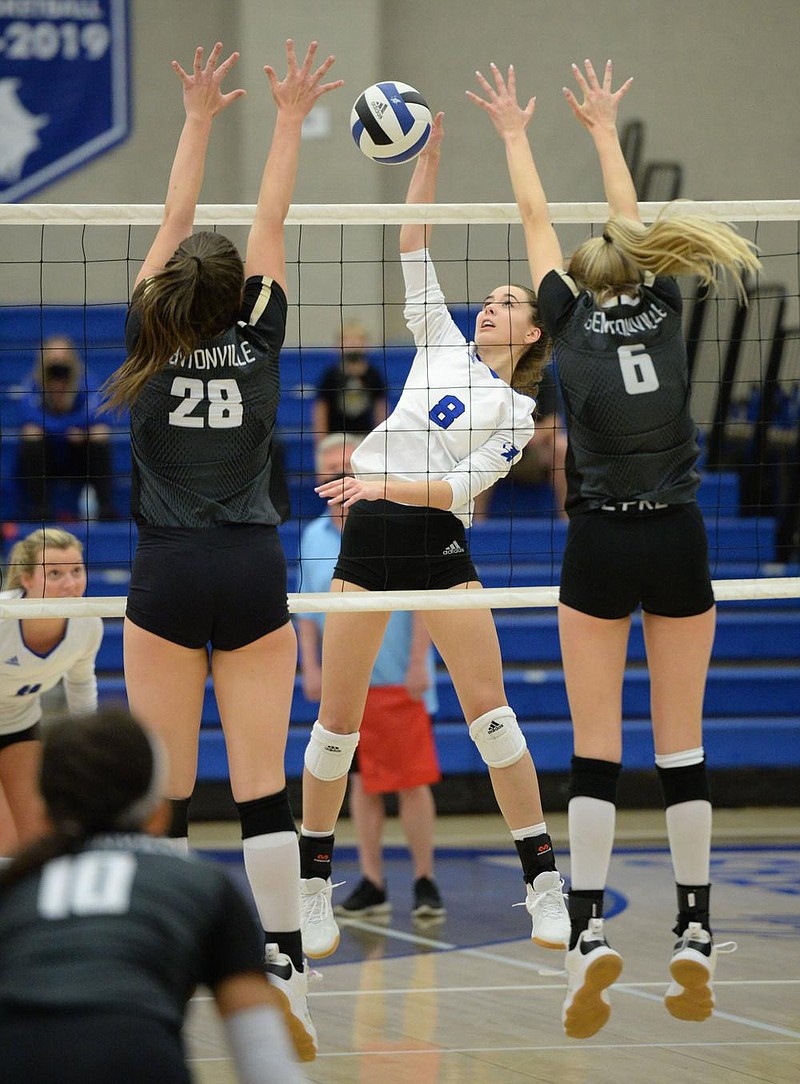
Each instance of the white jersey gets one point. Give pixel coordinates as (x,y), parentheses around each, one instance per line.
(455,420)
(24,675)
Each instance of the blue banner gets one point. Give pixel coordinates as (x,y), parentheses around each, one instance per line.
(63,88)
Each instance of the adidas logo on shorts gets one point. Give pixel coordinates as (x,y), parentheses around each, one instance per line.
(452,549)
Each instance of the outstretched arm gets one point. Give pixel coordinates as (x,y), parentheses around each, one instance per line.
(202,100)
(294,96)
(511,122)
(598,115)
(422,187)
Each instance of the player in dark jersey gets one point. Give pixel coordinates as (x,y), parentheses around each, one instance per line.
(106,931)
(201,380)
(636,536)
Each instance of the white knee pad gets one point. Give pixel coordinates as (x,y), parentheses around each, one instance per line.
(498,737)
(328,755)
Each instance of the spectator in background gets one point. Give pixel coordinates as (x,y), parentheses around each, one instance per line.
(396,752)
(351,395)
(543,457)
(62,435)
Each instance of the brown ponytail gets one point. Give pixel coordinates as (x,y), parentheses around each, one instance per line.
(195,297)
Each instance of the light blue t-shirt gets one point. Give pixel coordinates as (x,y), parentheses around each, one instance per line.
(319,550)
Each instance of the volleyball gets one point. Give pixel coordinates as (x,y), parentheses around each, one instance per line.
(390,122)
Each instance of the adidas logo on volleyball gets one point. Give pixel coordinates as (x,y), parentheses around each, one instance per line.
(452,549)
(379,108)
(494,726)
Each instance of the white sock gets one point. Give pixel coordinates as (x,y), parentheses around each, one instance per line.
(272,863)
(689,835)
(529,832)
(591,839)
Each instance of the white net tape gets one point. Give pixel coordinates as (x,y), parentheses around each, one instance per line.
(366,214)
(495,598)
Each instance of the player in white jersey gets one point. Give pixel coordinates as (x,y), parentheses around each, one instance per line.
(636,536)
(462,420)
(35,655)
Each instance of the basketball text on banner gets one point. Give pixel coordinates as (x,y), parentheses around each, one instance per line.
(63,88)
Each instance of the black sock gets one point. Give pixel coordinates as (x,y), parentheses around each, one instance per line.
(693,906)
(584,904)
(291,943)
(316,855)
(536,855)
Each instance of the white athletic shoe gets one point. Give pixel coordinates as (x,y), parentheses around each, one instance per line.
(291,986)
(547,906)
(591,967)
(317,923)
(690,995)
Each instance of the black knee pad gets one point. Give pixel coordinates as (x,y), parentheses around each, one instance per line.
(591,778)
(263,816)
(689,784)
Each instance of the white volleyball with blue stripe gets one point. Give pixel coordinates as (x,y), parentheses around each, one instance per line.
(390,122)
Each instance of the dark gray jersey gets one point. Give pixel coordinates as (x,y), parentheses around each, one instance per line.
(124,924)
(202,428)
(624,381)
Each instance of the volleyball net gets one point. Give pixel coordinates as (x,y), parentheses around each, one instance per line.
(68,270)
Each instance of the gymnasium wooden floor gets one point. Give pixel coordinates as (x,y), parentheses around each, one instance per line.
(474,1001)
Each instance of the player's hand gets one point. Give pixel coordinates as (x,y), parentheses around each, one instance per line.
(599,107)
(297,92)
(202,90)
(433,147)
(506,114)
(346,491)
(418,679)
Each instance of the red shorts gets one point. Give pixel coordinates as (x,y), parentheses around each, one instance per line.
(396,750)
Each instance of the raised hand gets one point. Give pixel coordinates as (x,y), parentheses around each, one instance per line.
(434,143)
(202,90)
(296,94)
(600,103)
(501,102)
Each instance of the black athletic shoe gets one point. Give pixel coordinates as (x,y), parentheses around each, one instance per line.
(365,899)
(427,899)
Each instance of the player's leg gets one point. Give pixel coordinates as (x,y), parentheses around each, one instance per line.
(166,684)
(467,641)
(350,644)
(254,686)
(19,779)
(593,651)
(678,652)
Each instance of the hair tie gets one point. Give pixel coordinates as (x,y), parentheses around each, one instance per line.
(198,261)
(609,240)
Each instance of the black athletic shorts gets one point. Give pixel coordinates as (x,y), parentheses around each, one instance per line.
(223,585)
(396,547)
(616,561)
(30,733)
